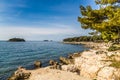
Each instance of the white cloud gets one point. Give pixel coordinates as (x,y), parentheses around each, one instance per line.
(36,32)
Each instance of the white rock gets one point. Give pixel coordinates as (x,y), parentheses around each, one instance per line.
(106,73)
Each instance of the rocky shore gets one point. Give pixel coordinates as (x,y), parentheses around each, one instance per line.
(94,64)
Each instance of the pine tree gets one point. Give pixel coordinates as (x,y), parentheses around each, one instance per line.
(105,20)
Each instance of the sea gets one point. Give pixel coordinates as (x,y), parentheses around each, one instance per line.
(15,54)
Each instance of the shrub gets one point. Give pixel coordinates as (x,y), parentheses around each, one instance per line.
(113,48)
(115,64)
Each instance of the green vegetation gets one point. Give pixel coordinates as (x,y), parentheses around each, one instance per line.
(115,64)
(101,52)
(113,48)
(84,38)
(115,60)
(105,20)
(16,40)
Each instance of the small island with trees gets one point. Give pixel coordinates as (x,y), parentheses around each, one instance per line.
(16,40)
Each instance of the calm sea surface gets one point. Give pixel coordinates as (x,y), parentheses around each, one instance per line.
(14,54)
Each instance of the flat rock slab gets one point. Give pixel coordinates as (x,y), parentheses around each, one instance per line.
(53,74)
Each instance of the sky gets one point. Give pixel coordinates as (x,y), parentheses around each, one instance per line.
(41,19)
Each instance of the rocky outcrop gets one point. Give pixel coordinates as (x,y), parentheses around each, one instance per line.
(106,73)
(66,61)
(54,65)
(71,68)
(72,56)
(20,74)
(37,64)
(95,64)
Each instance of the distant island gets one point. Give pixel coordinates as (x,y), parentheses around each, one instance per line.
(47,40)
(16,40)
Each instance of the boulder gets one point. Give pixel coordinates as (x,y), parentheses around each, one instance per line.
(70,68)
(117,74)
(106,73)
(72,56)
(89,71)
(37,64)
(52,62)
(55,65)
(66,61)
(20,74)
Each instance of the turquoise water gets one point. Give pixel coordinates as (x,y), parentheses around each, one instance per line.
(14,54)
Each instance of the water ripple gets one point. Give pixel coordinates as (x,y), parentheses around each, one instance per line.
(24,54)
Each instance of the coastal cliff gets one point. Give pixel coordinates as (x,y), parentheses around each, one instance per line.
(96,63)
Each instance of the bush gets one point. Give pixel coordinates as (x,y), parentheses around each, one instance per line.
(113,48)
(115,64)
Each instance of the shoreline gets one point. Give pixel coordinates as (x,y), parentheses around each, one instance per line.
(89,64)
(30,52)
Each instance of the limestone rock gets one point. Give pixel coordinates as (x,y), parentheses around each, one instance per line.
(20,74)
(37,64)
(106,73)
(66,60)
(70,68)
(54,65)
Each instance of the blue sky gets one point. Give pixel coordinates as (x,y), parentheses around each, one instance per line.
(41,19)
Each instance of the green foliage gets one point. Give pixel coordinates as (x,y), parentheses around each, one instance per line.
(113,48)
(84,38)
(105,20)
(115,64)
(106,1)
